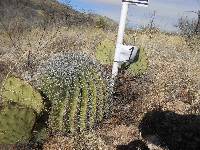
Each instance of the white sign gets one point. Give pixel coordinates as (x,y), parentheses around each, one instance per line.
(125,53)
(143,3)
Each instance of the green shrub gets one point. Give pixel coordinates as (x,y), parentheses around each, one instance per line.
(101,23)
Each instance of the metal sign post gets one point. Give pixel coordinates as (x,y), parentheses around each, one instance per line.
(124,53)
(122,24)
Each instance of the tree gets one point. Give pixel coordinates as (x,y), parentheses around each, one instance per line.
(190,27)
(197,28)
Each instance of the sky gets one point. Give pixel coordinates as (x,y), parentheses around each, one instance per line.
(167,11)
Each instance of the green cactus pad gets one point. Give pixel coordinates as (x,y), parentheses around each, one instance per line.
(105,54)
(16,90)
(20,104)
(141,65)
(16,123)
(78,90)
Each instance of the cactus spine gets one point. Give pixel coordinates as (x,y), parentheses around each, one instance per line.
(77,89)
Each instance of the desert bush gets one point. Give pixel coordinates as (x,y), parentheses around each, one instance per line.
(102,23)
(38,44)
(187,27)
(173,68)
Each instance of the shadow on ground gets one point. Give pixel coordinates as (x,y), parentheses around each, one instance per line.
(134,145)
(171,130)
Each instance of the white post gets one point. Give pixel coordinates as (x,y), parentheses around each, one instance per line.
(122,24)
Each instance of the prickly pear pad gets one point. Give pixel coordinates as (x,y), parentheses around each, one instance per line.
(16,123)
(18,91)
(105,54)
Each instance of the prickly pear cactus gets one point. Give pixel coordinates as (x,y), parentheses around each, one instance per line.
(16,123)
(78,90)
(19,105)
(20,92)
(105,54)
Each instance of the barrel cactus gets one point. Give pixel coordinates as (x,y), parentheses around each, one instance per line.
(19,106)
(105,54)
(78,90)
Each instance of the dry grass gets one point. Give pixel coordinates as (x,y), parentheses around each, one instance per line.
(174,67)
(33,47)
